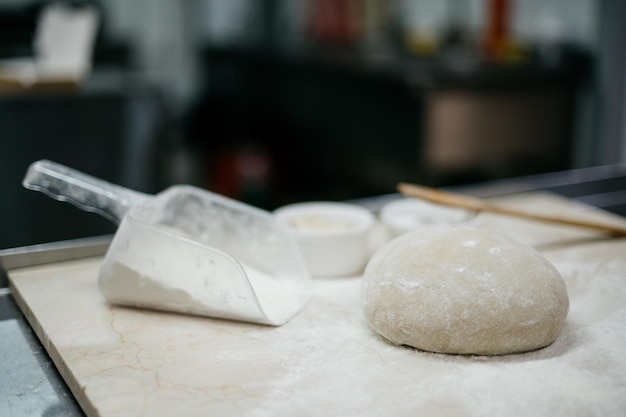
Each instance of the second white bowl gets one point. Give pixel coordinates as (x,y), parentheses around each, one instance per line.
(407,214)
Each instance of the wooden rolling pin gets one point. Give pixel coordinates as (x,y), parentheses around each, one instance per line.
(476,204)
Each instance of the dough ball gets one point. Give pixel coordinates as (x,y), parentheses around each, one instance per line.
(463,291)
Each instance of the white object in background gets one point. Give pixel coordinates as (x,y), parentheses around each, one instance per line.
(63,45)
(407,214)
(64,41)
(334,238)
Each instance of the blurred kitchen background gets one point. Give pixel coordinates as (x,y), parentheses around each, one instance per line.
(276,101)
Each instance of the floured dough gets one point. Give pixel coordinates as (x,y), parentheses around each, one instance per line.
(463,291)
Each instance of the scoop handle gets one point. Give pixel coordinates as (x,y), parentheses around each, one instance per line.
(84,191)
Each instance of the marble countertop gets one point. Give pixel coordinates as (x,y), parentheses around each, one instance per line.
(326,361)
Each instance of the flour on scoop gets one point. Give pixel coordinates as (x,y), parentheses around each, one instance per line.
(181,290)
(463,291)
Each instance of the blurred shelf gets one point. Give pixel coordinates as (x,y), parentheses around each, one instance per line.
(346,123)
(446,70)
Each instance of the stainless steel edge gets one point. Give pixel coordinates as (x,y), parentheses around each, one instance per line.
(29,382)
(50,253)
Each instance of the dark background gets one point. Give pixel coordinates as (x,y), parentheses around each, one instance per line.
(333,116)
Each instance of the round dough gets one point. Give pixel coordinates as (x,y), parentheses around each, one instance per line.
(463,291)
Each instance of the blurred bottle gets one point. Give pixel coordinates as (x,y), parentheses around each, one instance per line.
(254,168)
(243,173)
(496,41)
(334,22)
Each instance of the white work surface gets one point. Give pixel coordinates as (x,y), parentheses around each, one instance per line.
(326,361)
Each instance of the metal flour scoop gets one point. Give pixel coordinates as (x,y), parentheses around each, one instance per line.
(186,249)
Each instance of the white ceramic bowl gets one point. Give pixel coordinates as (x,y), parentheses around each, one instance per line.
(333,237)
(407,214)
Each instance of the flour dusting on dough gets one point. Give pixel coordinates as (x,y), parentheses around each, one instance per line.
(462,290)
